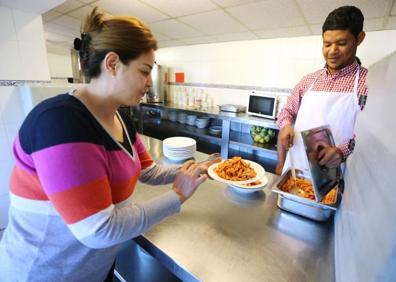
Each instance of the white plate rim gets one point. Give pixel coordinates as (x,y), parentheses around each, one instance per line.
(178,159)
(187,142)
(251,189)
(260,173)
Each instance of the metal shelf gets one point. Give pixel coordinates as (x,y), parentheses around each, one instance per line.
(233,140)
(245,140)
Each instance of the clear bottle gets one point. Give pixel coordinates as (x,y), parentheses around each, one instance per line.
(204,98)
(174,94)
(191,97)
(198,98)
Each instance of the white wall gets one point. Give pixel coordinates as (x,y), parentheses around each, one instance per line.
(278,63)
(22,57)
(15,104)
(22,46)
(365,230)
(11,116)
(59,65)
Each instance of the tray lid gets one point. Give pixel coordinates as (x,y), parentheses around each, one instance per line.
(323,178)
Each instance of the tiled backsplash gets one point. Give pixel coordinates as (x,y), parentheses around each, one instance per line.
(23,82)
(217,94)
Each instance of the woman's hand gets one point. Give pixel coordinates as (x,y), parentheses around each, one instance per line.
(203,166)
(187,180)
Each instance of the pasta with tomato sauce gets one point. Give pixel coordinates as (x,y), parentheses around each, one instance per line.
(303,188)
(235,169)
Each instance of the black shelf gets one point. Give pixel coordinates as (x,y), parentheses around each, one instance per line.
(245,140)
(172,128)
(163,129)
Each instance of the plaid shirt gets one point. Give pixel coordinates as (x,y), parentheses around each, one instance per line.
(342,81)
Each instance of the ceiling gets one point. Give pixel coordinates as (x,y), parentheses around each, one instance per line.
(188,22)
(38,7)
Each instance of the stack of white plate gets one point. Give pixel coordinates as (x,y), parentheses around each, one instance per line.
(179,148)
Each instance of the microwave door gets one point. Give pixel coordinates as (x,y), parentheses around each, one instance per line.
(264,106)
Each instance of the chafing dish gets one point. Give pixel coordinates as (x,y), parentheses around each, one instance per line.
(322,179)
(305,207)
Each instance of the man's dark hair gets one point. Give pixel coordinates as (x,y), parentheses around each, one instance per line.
(345,18)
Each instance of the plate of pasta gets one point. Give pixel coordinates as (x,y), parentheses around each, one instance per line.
(236,171)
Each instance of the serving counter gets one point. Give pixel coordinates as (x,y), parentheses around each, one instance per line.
(223,235)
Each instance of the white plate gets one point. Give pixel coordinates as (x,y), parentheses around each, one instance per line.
(249,189)
(179,142)
(178,159)
(260,173)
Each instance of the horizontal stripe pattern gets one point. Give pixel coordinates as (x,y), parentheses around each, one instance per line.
(32,206)
(71,195)
(26,184)
(83,201)
(69,165)
(122,190)
(88,230)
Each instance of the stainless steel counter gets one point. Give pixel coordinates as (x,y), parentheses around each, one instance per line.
(221,235)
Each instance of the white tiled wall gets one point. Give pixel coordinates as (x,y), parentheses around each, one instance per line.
(23,53)
(11,116)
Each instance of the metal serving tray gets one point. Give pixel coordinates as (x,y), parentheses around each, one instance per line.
(302,206)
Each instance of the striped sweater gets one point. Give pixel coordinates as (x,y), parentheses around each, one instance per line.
(71,195)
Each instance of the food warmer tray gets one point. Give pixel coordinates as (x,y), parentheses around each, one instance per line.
(306,207)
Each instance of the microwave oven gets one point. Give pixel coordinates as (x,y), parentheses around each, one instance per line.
(262,104)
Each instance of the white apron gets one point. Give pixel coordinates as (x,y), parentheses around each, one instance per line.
(318,108)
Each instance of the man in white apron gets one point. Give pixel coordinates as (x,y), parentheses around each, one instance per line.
(331,96)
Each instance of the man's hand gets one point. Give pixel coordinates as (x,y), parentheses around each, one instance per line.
(330,157)
(286,137)
(284,142)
